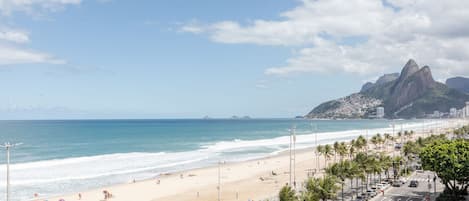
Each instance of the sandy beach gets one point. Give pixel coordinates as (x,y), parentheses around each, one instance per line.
(249,180)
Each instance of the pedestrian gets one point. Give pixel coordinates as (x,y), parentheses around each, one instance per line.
(79,196)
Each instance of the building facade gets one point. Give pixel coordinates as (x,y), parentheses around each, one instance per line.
(379,112)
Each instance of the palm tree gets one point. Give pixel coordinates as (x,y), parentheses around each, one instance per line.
(319,152)
(396,163)
(406,135)
(335,147)
(287,194)
(399,134)
(387,138)
(374,141)
(379,139)
(351,151)
(386,163)
(327,153)
(324,188)
(342,150)
(341,171)
(361,159)
(361,142)
(353,172)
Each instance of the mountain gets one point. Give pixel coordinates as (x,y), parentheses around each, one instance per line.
(381,80)
(459,83)
(412,93)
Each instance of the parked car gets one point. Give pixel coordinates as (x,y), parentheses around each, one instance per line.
(398,146)
(396,184)
(382,186)
(360,198)
(403,180)
(371,192)
(414,183)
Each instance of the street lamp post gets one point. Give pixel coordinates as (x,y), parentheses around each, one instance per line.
(7,147)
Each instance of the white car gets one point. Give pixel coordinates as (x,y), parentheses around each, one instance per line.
(382,186)
(403,180)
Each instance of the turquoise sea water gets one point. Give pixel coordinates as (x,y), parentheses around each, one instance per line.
(58,157)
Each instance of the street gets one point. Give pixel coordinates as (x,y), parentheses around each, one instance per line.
(419,193)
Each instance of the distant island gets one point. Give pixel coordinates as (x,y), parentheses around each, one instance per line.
(413,93)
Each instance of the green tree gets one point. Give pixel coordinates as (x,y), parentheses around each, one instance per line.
(319,152)
(343,151)
(374,141)
(287,194)
(323,188)
(335,147)
(450,160)
(327,153)
(341,170)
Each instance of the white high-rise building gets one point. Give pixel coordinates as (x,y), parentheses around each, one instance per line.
(453,112)
(466,110)
(436,114)
(379,112)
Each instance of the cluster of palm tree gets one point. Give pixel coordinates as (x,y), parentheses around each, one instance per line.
(461,132)
(355,164)
(406,135)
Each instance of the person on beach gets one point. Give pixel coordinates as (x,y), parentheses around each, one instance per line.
(79,196)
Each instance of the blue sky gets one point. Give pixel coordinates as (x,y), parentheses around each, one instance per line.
(188,59)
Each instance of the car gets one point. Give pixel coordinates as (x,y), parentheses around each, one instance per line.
(371,193)
(398,146)
(396,184)
(414,183)
(403,180)
(382,186)
(360,198)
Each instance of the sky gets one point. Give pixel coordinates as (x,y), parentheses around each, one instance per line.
(93,59)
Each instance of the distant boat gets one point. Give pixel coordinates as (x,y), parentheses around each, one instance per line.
(207,117)
(299,117)
(234,117)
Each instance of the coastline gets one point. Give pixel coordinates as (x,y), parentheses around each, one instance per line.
(243,180)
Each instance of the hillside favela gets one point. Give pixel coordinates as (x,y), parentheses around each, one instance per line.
(248,100)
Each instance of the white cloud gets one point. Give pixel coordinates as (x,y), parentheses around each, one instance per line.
(14,36)
(12,55)
(13,41)
(7,7)
(433,32)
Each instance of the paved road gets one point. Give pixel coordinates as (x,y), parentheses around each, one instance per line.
(406,193)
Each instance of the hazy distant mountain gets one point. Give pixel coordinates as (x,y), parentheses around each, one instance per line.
(458,83)
(412,93)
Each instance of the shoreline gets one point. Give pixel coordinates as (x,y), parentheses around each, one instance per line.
(251,179)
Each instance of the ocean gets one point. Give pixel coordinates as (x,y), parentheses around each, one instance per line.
(63,156)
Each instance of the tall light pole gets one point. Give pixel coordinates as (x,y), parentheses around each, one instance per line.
(292,153)
(219,180)
(294,157)
(393,135)
(316,144)
(7,147)
(290,147)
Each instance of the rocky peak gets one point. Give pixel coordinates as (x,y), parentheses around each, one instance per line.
(412,84)
(409,69)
